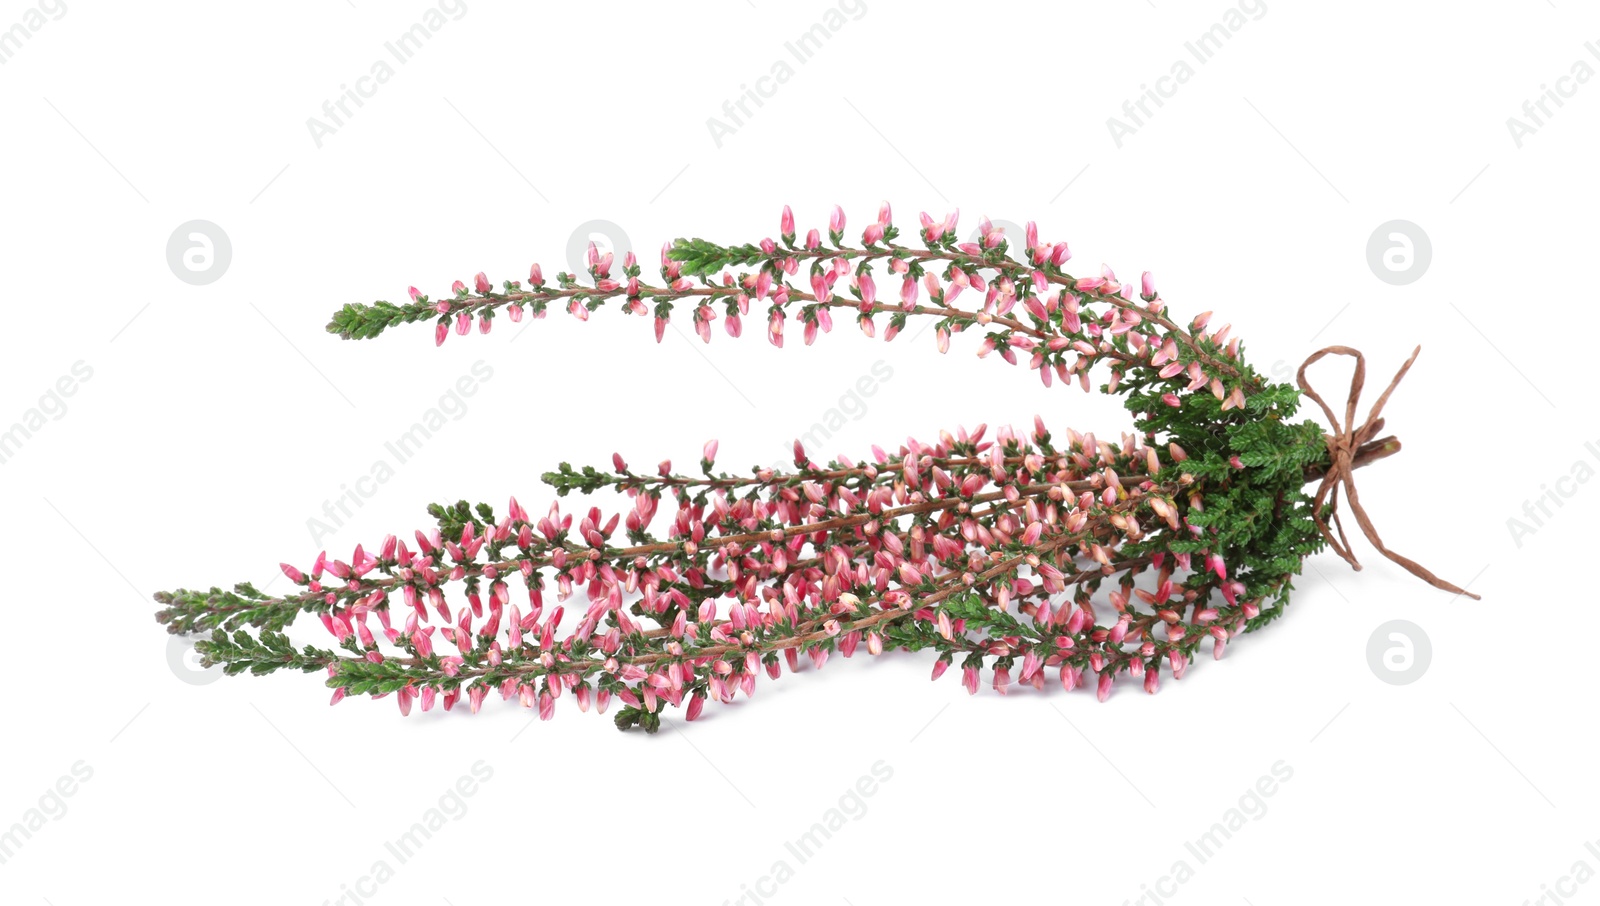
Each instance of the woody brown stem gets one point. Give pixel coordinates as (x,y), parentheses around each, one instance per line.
(1367,454)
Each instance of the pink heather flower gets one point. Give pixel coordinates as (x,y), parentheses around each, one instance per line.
(873,234)
(836,220)
(908,293)
(481,282)
(295,575)
(709,451)
(337,626)
(440,332)
(786,224)
(1147,286)
(939,667)
(1214,564)
(813,240)
(969,679)
(415,293)
(1120,630)
(1152,680)
(868,290)
(820,289)
(1103,686)
(463,324)
(885,214)
(536,275)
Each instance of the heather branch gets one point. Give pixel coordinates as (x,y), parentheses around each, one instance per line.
(996,551)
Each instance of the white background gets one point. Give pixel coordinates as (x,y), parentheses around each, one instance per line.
(219,418)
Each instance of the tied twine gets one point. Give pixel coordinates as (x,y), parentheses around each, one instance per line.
(1342,446)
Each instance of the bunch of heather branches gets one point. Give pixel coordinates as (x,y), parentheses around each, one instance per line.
(1041,556)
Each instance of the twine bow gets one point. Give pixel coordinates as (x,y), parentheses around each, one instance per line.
(1342,444)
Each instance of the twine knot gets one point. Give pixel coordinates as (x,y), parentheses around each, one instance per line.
(1343,443)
